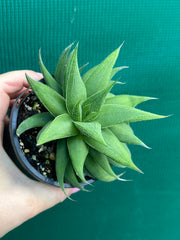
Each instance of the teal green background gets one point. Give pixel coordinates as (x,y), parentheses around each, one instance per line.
(149,206)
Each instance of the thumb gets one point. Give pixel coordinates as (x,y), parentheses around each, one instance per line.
(11,84)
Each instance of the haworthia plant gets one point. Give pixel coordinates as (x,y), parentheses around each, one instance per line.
(89,124)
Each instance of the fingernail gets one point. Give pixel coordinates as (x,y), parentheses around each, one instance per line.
(75,190)
(37,76)
(40,74)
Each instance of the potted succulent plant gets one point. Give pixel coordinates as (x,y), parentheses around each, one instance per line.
(70,130)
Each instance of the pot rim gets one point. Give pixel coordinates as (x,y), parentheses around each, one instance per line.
(18,152)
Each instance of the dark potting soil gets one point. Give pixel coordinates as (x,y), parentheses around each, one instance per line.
(42,158)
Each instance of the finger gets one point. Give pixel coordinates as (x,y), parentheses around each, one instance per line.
(12,103)
(4,103)
(6,120)
(10,84)
(16,94)
(13,82)
(46,196)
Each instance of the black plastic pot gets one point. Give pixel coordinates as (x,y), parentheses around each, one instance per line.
(12,146)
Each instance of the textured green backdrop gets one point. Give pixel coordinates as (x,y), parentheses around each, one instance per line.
(148,207)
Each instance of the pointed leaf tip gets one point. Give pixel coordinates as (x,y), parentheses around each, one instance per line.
(36,120)
(153,98)
(146,146)
(122,179)
(75,88)
(61,67)
(114,149)
(49,79)
(170,115)
(62,159)
(138,170)
(98,77)
(121,44)
(112,114)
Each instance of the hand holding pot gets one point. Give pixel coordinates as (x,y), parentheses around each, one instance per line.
(21,198)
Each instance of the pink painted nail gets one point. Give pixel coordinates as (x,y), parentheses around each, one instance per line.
(40,74)
(75,190)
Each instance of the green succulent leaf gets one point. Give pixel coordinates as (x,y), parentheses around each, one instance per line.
(82,68)
(50,81)
(112,114)
(96,100)
(109,95)
(77,112)
(114,149)
(37,120)
(126,148)
(70,176)
(102,160)
(54,103)
(91,117)
(87,173)
(62,159)
(43,129)
(128,100)
(116,70)
(85,111)
(67,69)
(89,124)
(114,163)
(97,78)
(78,151)
(75,88)
(87,75)
(125,134)
(97,171)
(61,127)
(91,129)
(115,82)
(61,66)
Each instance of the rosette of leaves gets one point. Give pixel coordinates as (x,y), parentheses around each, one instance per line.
(90,124)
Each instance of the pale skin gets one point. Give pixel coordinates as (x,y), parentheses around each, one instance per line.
(20,197)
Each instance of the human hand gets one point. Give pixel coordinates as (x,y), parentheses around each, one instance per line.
(21,198)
